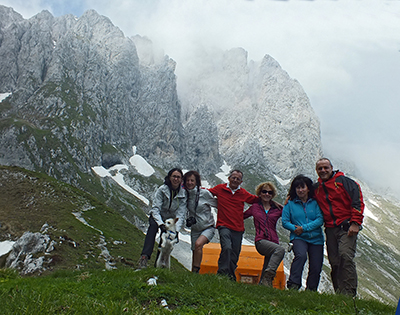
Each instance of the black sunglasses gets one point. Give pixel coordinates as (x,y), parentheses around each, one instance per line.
(270,192)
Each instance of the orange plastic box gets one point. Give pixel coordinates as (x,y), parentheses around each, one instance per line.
(249,265)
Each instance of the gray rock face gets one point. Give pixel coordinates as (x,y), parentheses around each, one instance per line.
(264,117)
(78,88)
(201,138)
(83,94)
(8,16)
(22,256)
(11,154)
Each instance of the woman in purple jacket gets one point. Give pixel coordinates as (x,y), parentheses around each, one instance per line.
(265,214)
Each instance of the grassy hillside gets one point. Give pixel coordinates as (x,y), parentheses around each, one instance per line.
(127,292)
(28,200)
(75,281)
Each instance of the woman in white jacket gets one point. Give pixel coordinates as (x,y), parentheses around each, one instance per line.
(200,218)
(169,202)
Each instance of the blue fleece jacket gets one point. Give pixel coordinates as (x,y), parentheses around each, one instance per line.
(307,215)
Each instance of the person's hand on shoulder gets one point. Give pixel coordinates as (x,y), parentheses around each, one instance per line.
(286,200)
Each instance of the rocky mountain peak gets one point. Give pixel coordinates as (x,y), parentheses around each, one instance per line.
(80,80)
(91,87)
(264,117)
(8,16)
(80,94)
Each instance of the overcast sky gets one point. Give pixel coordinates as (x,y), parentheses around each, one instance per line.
(345,54)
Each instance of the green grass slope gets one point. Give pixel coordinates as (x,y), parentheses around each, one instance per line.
(77,282)
(125,291)
(28,200)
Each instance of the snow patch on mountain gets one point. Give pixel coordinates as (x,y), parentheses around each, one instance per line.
(114,173)
(368,213)
(5,247)
(225,168)
(78,216)
(140,164)
(3,96)
(281,181)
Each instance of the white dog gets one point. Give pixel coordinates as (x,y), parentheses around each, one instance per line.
(167,242)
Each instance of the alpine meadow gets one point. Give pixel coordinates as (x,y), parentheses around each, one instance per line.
(90,123)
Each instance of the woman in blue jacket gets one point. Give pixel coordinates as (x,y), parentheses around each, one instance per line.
(303,218)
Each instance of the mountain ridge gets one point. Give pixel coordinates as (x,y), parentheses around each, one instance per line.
(82,95)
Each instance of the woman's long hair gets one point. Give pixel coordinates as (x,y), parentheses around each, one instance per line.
(301,180)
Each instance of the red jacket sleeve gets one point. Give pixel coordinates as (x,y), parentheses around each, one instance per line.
(356,197)
(250,198)
(248,213)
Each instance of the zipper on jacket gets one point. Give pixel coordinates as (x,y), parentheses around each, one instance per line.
(329,204)
(266,222)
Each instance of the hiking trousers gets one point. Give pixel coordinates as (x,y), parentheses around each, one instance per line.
(231,245)
(150,238)
(341,250)
(273,255)
(315,254)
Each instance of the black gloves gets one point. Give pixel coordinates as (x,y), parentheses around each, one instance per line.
(163,228)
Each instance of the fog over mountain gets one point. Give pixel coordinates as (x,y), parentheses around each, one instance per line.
(76,93)
(254,109)
(346,65)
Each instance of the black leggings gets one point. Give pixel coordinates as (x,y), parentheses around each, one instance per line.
(150,238)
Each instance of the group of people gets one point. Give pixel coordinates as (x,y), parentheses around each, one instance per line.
(334,201)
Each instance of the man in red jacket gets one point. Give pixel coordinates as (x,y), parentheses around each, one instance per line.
(231,198)
(341,201)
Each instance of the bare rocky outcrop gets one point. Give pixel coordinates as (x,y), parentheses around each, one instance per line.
(28,254)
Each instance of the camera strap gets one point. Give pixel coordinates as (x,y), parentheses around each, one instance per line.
(172,194)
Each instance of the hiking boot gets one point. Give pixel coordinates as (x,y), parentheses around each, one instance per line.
(195,269)
(267,281)
(293,286)
(143,262)
(267,278)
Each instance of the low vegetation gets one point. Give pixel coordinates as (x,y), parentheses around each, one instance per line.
(77,282)
(29,200)
(177,292)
